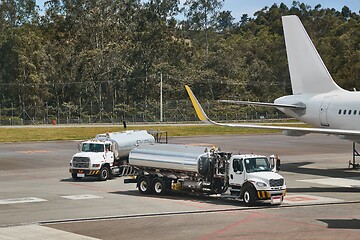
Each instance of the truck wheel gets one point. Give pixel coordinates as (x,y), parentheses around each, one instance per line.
(158,186)
(75,177)
(249,196)
(144,185)
(104,174)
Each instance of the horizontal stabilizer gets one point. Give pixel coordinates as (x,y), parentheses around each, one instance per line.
(292,131)
(263,104)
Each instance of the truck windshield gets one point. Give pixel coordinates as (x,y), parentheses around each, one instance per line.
(257,165)
(92,147)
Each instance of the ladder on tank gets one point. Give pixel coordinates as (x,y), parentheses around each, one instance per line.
(127,170)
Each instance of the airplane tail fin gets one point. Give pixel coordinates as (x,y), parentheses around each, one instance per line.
(198,109)
(308,72)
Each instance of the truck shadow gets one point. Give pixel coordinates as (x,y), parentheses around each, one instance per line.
(195,198)
(85,179)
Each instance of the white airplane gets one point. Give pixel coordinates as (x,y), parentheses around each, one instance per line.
(316,99)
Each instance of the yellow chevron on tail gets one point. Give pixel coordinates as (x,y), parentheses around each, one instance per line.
(199,111)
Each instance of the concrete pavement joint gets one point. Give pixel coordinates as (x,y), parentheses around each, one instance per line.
(117,217)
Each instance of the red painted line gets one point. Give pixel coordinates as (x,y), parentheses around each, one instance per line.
(229,227)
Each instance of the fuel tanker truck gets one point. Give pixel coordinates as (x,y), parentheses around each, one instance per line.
(161,168)
(105,155)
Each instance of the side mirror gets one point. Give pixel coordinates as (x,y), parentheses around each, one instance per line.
(80,146)
(278,163)
(275,163)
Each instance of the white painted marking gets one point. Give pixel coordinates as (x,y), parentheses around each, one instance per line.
(82,197)
(339,182)
(293,199)
(32,232)
(34,151)
(22,200)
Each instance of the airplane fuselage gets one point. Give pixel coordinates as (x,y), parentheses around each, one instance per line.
(337,109)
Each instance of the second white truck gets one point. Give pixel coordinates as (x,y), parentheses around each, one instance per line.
(105,155)
(160,168)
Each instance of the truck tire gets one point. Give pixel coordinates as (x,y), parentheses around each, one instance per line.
(144,185)
(75,177)
(158,186)
(249,196)
(104,173)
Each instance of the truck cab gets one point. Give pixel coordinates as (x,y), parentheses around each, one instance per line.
(254,177)
(96,158)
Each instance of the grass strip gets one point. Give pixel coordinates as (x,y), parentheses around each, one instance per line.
(59,132)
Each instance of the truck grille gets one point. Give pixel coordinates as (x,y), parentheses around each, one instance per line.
(276,182)
(81,162)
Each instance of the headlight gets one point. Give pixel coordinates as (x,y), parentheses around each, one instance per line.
(70,164)
(261,184)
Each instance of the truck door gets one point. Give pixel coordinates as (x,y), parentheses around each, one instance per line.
(109,154)
(236,172)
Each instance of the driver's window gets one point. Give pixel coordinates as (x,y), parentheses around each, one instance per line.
(107,147)
(238,165)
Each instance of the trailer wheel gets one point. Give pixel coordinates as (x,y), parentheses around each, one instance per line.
(158,186)
(249,196)
(75,177)
(144,185)
(104,173)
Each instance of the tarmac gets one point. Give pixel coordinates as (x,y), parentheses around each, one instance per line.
(39,199)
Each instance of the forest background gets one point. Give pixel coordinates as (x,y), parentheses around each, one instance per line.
(91,61)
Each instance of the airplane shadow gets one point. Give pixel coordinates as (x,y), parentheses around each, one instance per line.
(332,173)
(323,190)
(342,223)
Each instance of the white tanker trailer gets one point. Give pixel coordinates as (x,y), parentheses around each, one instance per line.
(105,155)
(161,168)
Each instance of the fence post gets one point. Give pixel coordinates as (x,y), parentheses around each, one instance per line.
(12,113)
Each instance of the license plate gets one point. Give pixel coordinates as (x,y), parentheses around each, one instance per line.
(276,200)
(80,174)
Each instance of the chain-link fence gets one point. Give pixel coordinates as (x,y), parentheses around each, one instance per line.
(144,112)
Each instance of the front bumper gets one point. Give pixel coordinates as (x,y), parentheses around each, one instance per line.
(87,172)
(265,195)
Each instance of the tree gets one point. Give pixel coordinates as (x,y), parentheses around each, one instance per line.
(202,14)
(225,21)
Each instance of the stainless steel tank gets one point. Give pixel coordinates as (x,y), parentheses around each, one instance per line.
(181,158)
(126,140)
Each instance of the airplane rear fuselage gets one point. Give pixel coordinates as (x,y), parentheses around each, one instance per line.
(336,109)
